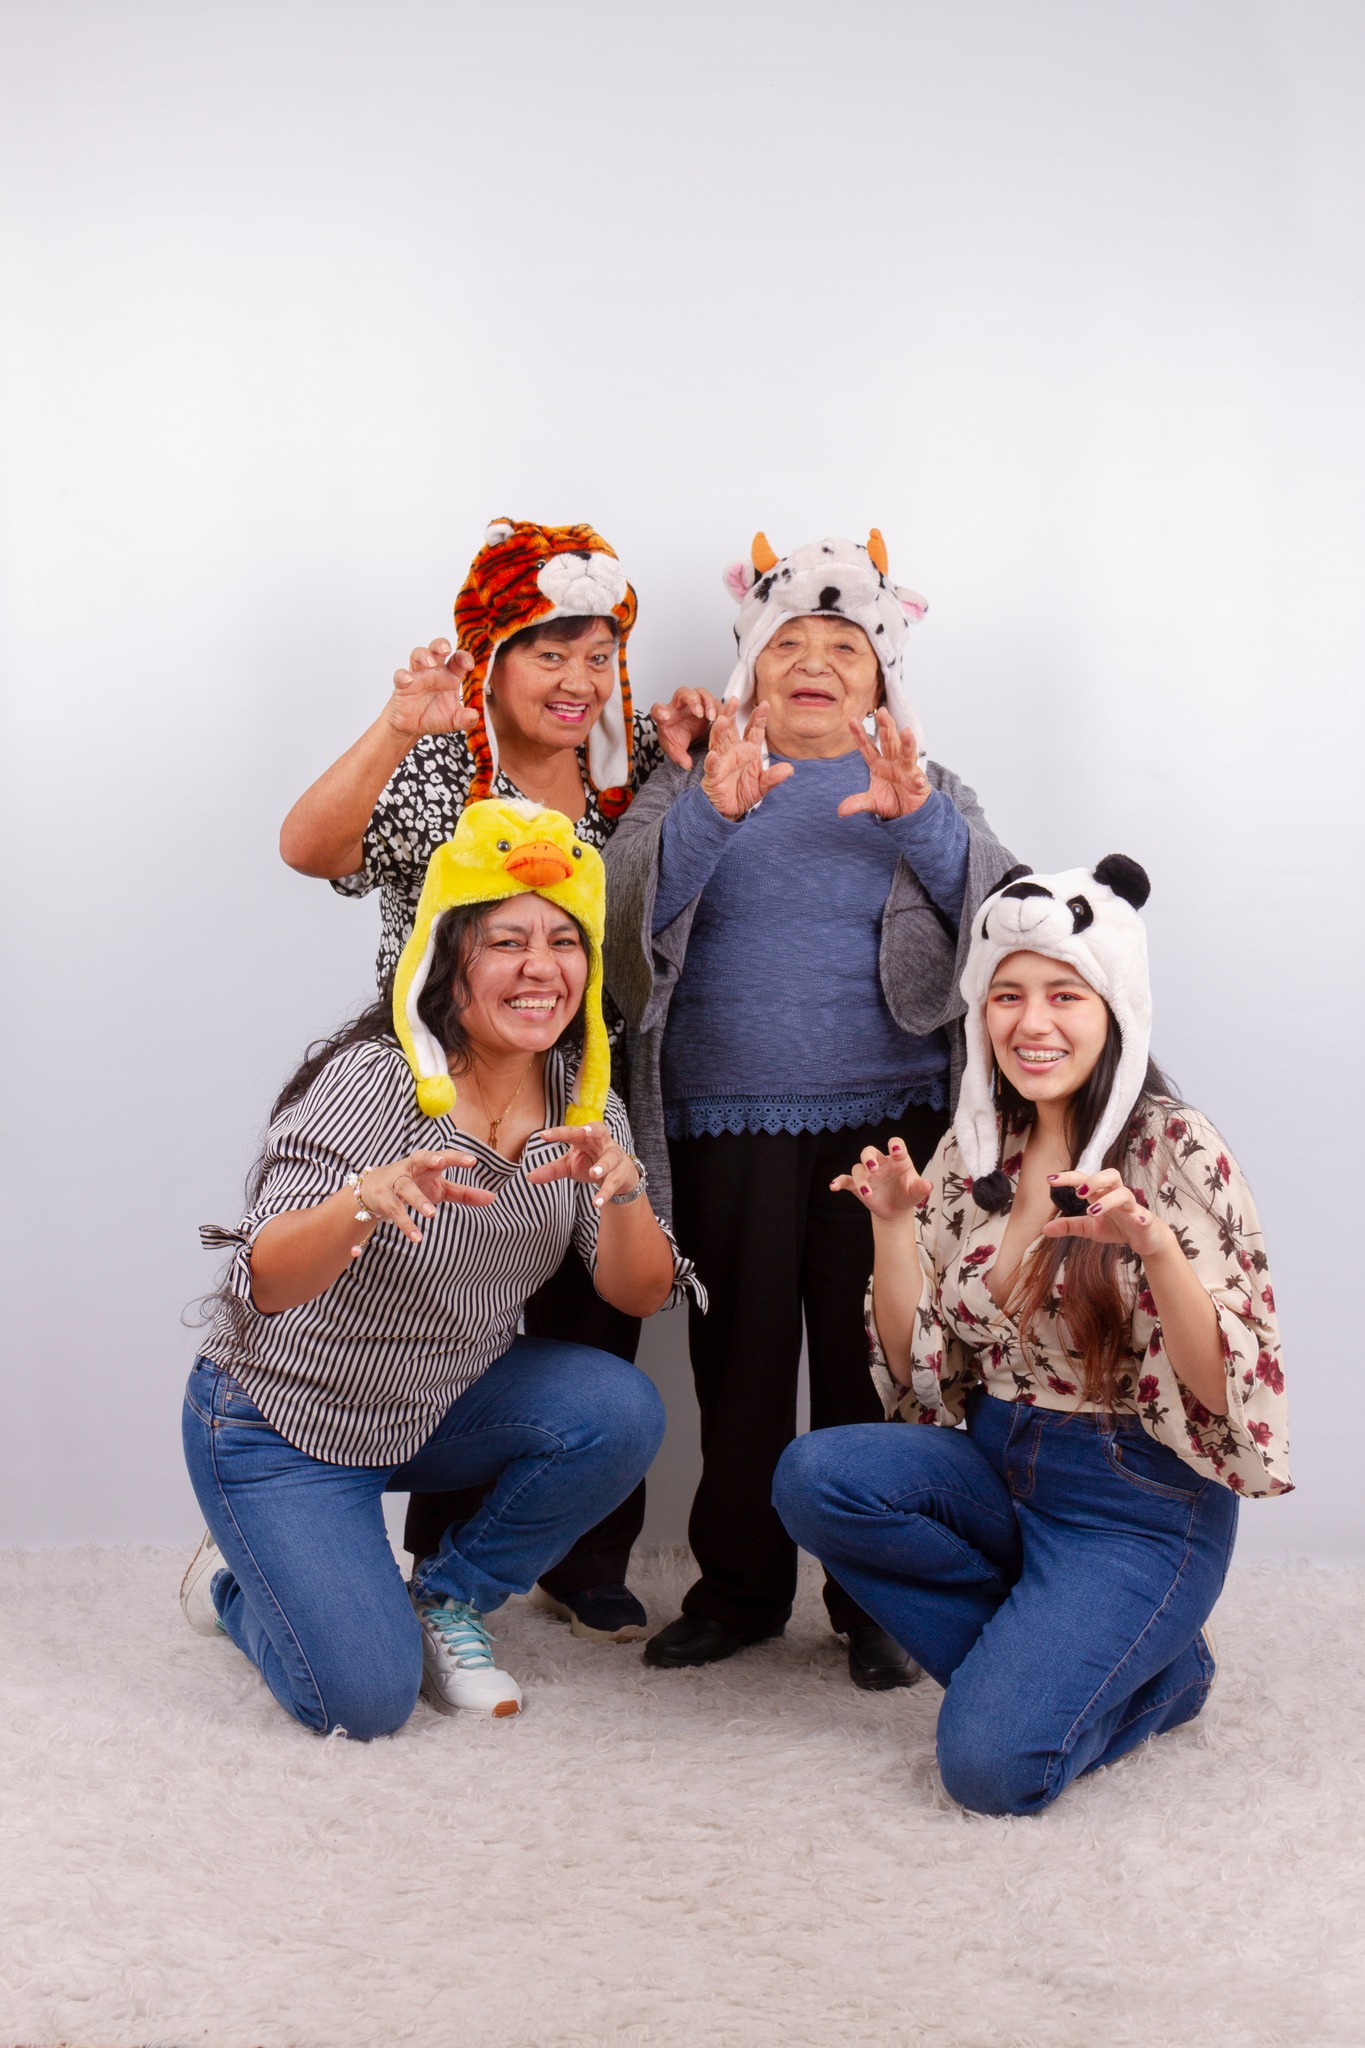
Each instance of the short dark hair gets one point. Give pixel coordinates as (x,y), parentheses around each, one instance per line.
(572,628)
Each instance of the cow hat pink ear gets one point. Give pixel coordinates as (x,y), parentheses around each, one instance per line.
(740,577)
(911,603)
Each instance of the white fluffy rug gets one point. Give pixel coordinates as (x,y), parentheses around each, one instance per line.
(756,1854)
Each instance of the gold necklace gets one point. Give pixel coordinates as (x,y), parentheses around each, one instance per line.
(495,1122)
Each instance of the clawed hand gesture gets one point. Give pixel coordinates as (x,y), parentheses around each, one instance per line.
(897,785)
(594,1157)
(417,1182)
(428,693)
(682,722)
(734,777)
(888,1184)
(1114,1214)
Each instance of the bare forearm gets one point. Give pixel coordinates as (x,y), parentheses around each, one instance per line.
(324,833)
(897,1283)
(634,1261)
(1189,1323)
(300,1253)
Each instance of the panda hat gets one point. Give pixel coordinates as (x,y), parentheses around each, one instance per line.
(1087,918)
(830,576)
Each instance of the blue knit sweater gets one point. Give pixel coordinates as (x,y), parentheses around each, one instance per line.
(778,1021)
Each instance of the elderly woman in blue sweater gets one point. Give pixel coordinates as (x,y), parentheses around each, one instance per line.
(789,903)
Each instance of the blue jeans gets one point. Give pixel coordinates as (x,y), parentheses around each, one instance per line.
(1052,1571)
(312,1594)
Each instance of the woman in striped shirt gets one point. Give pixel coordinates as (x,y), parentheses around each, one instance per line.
(366,1337)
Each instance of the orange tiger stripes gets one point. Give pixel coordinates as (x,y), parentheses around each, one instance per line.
(504,593)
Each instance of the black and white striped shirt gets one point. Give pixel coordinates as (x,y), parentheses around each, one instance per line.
(362,1374)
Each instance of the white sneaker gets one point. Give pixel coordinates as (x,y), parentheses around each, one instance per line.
(196,1589)
(457,1662)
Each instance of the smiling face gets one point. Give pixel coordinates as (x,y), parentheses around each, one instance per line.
(526,979)
(815,674)
(1047,1027)
(550,691)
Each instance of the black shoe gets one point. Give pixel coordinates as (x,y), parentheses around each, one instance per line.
(604,1614)
(876,1661)
(692,1639)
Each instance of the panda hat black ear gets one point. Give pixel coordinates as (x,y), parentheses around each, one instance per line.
(1125,877)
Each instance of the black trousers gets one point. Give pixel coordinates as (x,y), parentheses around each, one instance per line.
(775,1248)
(569,1307)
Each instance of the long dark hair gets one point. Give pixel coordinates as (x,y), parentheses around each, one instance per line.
(445,996)
(1089,1300)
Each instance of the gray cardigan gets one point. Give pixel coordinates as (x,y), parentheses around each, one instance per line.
(921,957)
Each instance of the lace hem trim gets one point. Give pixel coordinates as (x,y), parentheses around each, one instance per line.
(714,1116)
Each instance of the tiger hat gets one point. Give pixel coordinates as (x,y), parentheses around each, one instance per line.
(524,575)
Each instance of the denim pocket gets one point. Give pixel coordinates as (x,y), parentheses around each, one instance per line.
(232,1404)
(1151,1467)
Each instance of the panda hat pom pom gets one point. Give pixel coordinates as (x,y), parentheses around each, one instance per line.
(1087,918)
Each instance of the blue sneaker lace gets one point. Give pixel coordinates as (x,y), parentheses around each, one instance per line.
(460,1627)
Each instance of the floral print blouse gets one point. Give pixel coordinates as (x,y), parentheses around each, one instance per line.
(1181,1169)
(419,809)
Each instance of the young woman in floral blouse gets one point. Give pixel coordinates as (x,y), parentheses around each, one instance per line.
(1117,1368)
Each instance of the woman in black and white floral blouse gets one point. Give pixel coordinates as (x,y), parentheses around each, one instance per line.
(1096,1306)
(535,703)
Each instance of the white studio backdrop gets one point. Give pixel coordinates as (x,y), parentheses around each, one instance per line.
(1069,299)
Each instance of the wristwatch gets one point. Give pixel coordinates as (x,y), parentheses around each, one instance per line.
(619,1201)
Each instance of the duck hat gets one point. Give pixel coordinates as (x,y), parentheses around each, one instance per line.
(525,575)
(838,577)
(505,848)
(1087,918)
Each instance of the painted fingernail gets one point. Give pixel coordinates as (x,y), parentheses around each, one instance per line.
(1084,1188)
(1096,1209)
(1052,1176)
(864,1189)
